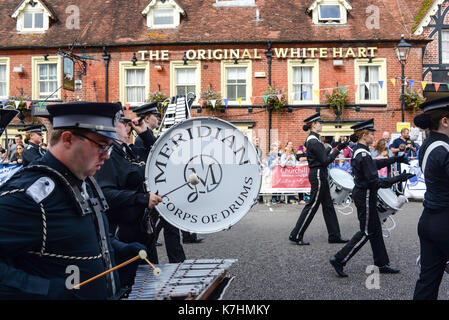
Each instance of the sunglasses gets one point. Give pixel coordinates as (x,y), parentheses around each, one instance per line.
(101,148)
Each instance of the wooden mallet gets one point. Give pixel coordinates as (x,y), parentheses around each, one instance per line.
(142,255)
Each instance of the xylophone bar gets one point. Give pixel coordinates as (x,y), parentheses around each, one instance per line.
(188,280)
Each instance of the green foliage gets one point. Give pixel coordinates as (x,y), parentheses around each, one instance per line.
(207,96)
(273,101)
(337,100)
(413,99)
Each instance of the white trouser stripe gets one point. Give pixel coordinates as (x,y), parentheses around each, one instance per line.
(367,211)
(316,202)
(353,248)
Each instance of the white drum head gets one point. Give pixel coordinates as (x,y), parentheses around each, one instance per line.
(389,198)
(343,178)
(226,164)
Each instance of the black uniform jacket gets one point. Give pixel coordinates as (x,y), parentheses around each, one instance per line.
(317,157)
(436,173)
(145,141)
(31,153)
(365,168)
(38,241)
(122,178)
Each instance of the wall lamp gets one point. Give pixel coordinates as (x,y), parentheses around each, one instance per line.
(134,59)
(46,56)
(184,58)
(236,61)
(159,67)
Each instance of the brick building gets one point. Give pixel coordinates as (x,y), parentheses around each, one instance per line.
(126,50)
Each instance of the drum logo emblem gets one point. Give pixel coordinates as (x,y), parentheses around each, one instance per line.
(209,172)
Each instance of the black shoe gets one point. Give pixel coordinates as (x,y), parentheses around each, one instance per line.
(338,240)
(158,244)
(302,243)
(293,239)
(196,240)
(338,266)
(387,269)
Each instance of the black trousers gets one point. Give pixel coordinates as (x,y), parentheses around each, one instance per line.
(370,229)
(319,194)
(433,234)
(172,237)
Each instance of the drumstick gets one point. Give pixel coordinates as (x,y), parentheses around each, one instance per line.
(142,255)
(156,271)
(193,180)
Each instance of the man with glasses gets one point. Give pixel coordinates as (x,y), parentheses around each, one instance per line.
(122,179)
(53,230)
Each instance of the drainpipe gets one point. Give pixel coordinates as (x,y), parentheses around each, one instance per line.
(269,55)
(106,57)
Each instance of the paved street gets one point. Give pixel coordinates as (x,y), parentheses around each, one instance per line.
(272,267)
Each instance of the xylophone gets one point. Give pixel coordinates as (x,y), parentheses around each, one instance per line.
(191,280)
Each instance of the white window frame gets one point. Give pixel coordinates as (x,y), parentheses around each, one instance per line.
(323,20)
(343,12)
(249,85)
(190,65)
(126,65)
(315,64)
(35,62)
(5,61)
(38,9)
(442,52)
(167,5)
(383,92)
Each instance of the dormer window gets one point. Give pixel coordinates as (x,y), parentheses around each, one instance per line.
(32,16)
(329,11)
(163,14)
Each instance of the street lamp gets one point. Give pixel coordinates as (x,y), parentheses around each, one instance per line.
(402,51)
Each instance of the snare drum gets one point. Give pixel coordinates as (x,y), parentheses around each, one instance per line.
(341,184)
(388,203)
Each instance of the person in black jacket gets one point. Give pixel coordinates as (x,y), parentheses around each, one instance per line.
(433,224)
(367,182)
(33,150)
(122,179)
(150,114)
(318,160)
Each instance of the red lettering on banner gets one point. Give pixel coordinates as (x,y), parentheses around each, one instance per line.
(290,177)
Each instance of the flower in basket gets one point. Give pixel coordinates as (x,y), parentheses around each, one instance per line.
(274,98)
(19,103)
(413,99)
(208,97)
(158,96)
(337,100)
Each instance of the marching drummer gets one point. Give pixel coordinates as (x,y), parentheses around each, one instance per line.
(367,182)
(149,113)
(433,225)
(52,212)
(318,160)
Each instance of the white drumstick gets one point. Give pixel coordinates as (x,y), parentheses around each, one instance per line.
(193,180)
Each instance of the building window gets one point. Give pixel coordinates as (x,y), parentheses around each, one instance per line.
(186,79)
(371,79)
(4,78)
(303,81)
(329,13)
(236,83)
(47,78)
(163,14)
(33,20)
(134,83)
(163,17)
(445,45)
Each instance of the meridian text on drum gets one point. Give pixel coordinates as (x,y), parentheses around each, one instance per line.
(168,150)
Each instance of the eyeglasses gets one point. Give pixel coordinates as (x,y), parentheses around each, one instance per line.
(102,148)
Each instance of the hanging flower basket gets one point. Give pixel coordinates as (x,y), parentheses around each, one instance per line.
(274,99)
(412,99)
(212,100)
(337,100)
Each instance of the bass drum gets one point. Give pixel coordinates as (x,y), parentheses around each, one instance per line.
(341,184)
(226,164)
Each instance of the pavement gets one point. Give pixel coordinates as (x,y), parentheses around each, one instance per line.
(270,267)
